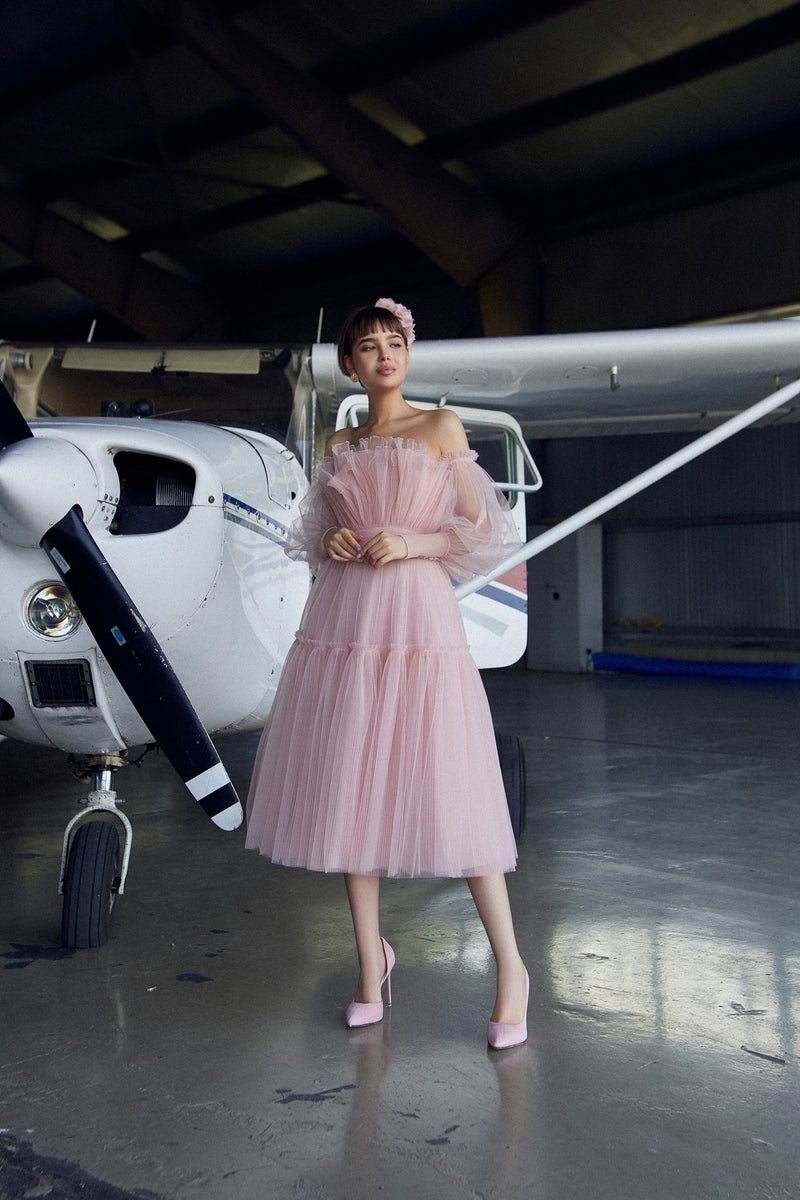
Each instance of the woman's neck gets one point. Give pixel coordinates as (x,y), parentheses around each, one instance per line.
(388,409)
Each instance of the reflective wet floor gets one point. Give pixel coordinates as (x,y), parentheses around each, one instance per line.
(202,1052)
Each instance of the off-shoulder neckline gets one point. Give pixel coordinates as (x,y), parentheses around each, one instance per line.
(378,442)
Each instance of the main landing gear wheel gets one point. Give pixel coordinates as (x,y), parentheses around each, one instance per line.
(91,881)
(511,753)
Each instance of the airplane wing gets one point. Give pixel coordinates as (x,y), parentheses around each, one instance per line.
(589,384)
(722,378)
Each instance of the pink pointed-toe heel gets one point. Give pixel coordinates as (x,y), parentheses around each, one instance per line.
(501,1036)
(370,1014)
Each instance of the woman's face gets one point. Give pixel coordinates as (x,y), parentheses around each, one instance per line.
(380,359)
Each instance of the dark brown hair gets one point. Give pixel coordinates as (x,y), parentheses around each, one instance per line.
(363,322)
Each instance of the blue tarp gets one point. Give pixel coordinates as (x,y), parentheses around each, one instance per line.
(675,666)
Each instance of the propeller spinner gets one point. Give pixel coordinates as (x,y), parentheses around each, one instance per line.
(45,487)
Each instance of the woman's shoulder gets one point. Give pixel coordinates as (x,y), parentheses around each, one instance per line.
(444,432)
(438,431)
(336,439)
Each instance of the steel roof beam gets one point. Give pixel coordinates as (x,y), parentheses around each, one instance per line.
(155,303)
(764,36)
(461,230)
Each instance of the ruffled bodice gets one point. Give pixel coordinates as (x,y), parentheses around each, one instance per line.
(396,486)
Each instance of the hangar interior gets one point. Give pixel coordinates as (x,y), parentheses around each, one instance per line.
(248,172)
(205,171)
(243,174)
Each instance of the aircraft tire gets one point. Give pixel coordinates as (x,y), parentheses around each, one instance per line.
(511,753)
(88,885)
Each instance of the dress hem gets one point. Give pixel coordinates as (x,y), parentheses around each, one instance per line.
(384,872)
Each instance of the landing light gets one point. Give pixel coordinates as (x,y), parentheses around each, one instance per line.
(53,612)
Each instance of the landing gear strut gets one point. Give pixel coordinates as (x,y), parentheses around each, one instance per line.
(92,869)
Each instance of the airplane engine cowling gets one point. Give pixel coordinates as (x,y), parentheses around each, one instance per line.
(42,478)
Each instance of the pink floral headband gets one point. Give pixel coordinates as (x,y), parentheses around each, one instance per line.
(402,313)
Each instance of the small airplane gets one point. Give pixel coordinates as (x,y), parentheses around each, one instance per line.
(145,594)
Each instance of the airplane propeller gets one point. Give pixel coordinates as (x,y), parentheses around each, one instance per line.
(45,487)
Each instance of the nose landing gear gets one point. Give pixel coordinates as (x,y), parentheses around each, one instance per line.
(92,869)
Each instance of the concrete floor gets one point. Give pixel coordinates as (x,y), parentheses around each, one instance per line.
(202,1052)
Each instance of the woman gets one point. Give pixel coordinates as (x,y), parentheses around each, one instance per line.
(379,756)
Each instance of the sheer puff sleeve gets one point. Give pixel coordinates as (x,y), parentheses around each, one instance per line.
(316,517)
(480,530)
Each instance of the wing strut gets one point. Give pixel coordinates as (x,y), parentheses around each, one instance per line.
(638,484)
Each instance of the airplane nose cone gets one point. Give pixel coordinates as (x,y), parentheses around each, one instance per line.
(40,481)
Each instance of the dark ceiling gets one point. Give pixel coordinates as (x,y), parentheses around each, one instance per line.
(205,171)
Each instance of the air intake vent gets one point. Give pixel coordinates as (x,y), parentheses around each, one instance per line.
(155,493)
(64,684)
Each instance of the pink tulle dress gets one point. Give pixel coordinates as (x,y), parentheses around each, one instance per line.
(379,754)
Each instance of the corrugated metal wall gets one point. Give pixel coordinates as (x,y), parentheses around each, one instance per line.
(714,546)
(713,577)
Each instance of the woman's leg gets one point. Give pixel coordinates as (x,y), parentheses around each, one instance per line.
(363,892)
(491,900)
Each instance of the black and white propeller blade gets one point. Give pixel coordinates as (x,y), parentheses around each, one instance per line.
(61,478)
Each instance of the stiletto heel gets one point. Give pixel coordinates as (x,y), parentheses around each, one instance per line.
(370,1014)
(500,1035)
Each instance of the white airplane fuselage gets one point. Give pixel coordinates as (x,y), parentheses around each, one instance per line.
(193,519)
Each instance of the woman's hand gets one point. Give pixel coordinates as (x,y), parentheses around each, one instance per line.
(341,544)
(385,548)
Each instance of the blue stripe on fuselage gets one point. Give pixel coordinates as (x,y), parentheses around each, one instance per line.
(509,599)
(253,519)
